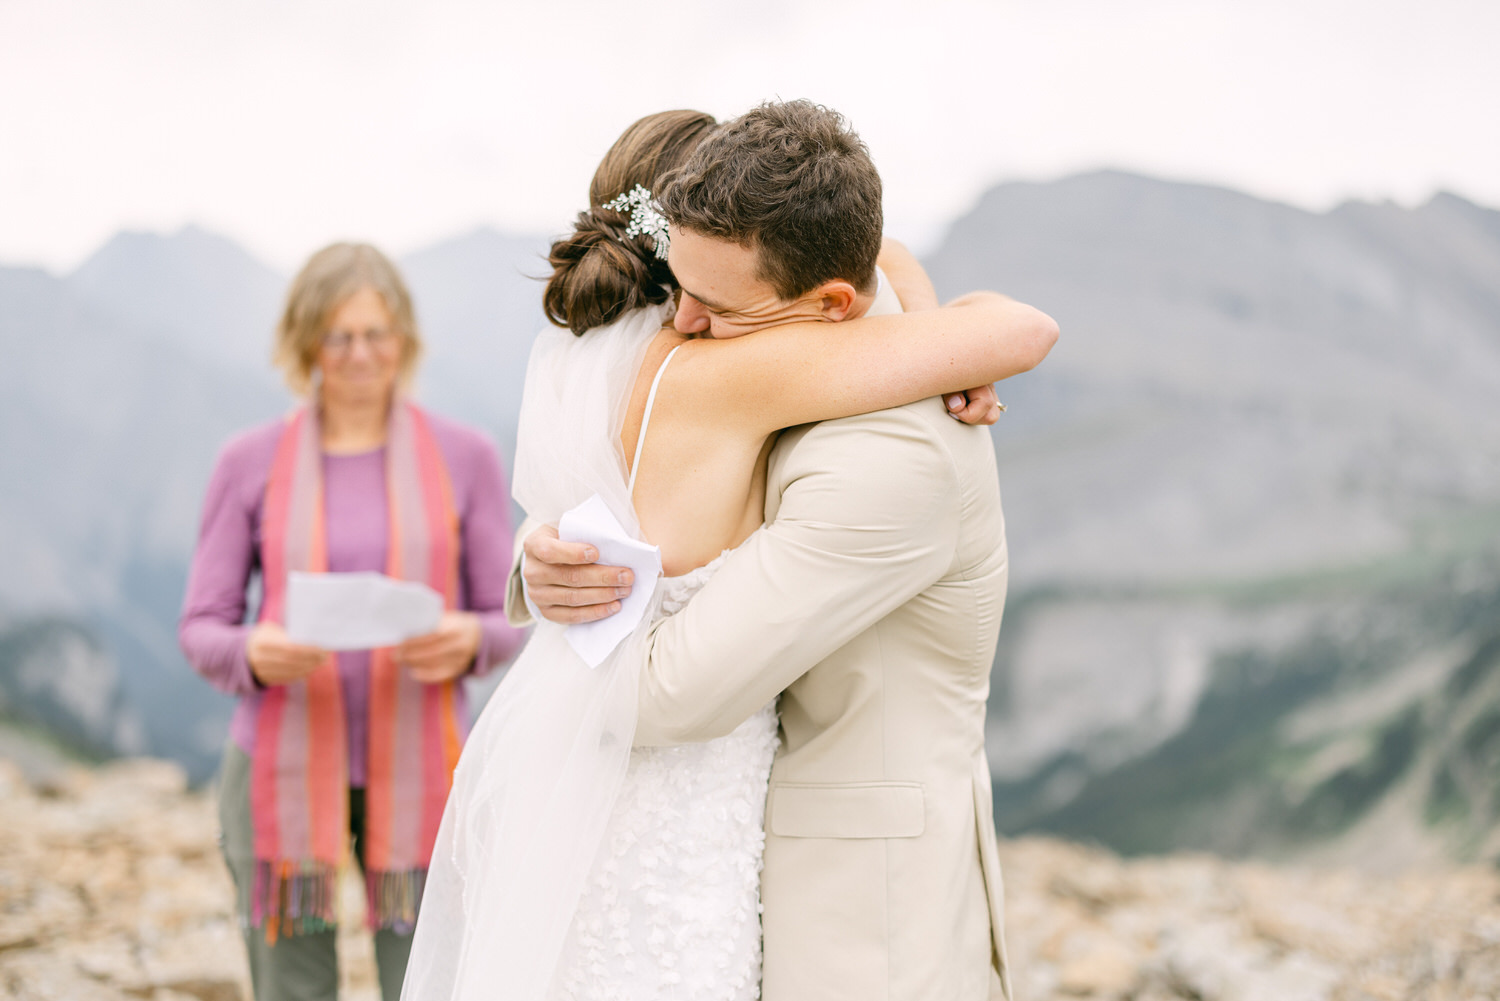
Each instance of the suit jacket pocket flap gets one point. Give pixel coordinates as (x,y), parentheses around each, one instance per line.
(858,810)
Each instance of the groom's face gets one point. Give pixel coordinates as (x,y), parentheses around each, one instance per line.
(723,294)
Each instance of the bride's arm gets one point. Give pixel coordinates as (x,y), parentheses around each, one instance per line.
(909,281)
(813,371)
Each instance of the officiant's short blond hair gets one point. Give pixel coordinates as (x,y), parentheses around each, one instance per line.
(328,279)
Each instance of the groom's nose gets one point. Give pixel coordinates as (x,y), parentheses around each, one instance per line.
(691,317)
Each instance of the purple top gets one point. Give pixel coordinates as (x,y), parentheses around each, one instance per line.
(212,630)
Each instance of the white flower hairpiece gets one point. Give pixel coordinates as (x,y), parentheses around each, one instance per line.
(646,217)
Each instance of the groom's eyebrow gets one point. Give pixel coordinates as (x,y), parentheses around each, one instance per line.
(711,305)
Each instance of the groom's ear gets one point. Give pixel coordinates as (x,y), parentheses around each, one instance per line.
(836,299)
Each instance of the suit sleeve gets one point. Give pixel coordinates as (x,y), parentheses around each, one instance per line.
(868,519)
(485,527)
(517,611)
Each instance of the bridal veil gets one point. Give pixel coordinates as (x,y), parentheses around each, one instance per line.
(540,773)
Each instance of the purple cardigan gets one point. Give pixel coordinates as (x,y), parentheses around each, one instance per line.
(212,630)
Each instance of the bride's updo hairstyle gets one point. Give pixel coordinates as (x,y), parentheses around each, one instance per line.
(599,273)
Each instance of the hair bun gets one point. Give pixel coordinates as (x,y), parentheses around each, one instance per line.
(599,273)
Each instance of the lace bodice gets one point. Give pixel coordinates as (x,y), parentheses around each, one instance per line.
(672,906)
(676,591)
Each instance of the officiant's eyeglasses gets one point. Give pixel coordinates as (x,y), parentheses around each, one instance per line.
(377,339)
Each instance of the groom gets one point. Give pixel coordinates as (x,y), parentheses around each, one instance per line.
(870,602)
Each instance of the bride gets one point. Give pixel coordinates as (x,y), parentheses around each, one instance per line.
(569,866)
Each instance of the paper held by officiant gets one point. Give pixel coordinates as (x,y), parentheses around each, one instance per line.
(358,611)
(594,523)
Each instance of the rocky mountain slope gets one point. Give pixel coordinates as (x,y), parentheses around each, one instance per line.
(107,433)
(1254,500)
(1242,389)
(111,889)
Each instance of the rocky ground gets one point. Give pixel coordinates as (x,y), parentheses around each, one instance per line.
(1084,923)
(111,887)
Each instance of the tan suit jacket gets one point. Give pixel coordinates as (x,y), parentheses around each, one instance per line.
(871,603)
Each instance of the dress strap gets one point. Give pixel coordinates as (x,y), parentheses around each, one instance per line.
(640,441)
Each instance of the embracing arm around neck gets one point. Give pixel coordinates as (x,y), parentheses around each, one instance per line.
(801,372)
(907,277)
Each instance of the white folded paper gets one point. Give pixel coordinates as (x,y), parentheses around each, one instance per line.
(358,611)
(594,523)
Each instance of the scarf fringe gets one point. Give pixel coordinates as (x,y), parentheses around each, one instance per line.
(294,898)
(394,898)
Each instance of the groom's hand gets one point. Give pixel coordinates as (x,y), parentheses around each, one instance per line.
(975,406)
(564,582)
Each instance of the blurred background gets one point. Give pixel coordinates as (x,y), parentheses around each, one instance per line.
(1253,495)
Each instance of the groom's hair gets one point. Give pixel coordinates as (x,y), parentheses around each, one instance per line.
(791,180)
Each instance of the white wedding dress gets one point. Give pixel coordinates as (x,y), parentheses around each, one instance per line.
(569,865)
(671,909)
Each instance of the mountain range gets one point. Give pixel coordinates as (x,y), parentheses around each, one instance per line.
(1254,521)
(1253,498)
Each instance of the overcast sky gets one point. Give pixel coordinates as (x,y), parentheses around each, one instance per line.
(289,123)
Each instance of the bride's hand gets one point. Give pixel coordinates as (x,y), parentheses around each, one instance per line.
(975,406)
(565,584)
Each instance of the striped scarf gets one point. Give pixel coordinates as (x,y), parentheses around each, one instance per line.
(299,784)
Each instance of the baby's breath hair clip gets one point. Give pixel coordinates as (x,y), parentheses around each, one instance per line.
(646,218)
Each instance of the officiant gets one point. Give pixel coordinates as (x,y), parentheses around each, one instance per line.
(330,752)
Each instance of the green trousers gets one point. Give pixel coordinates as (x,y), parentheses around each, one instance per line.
(300,967)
